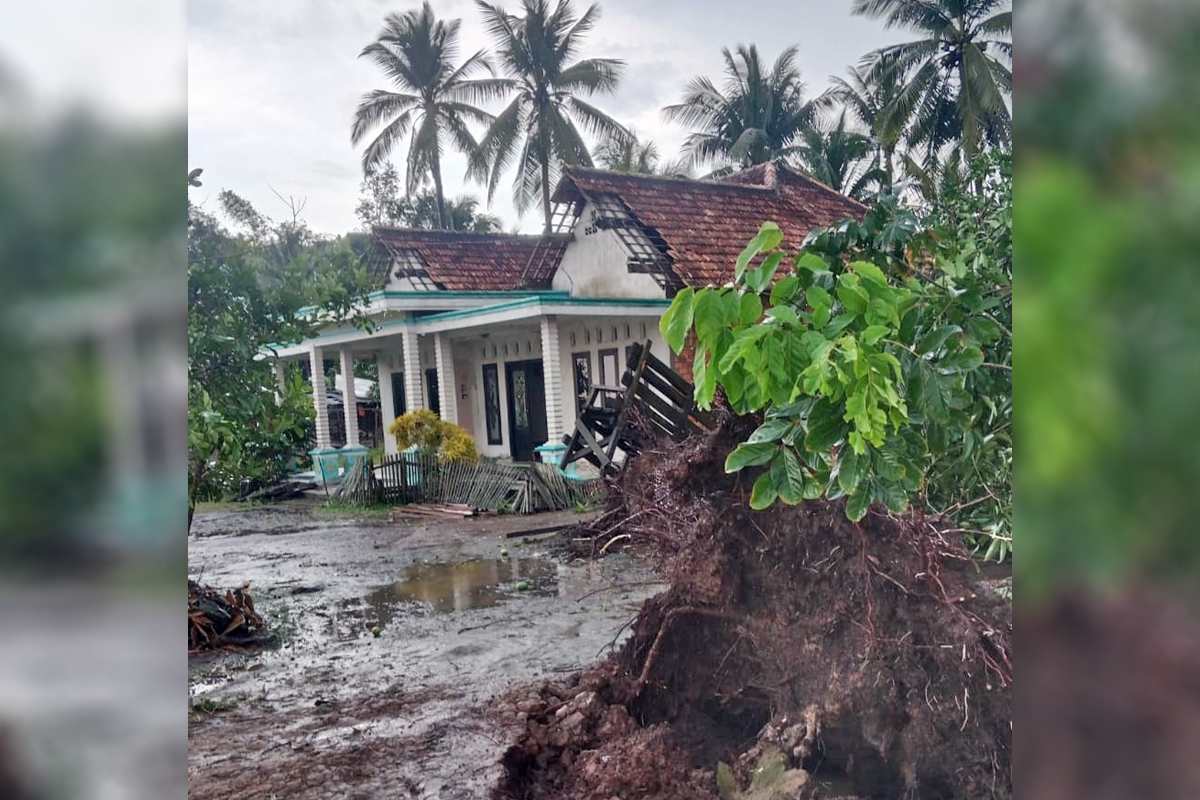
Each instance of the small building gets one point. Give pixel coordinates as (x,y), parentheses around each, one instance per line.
(501,334)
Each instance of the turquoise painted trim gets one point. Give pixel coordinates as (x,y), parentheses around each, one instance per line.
(395,294)
(548,298)
(464,313)
(633,302)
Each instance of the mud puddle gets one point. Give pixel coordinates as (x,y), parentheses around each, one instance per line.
(337,710)
(463,585)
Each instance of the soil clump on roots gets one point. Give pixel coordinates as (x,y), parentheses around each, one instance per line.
(796,654)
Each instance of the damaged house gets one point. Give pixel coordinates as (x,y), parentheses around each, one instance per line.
(502,334)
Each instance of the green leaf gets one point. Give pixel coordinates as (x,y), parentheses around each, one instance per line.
(768,238)
(785,314)
(769,431)
(705,377)
(764,492)
(813,263)
(785,290)
(750,309)
(760,278)
(852,296)
(851,467)
(795,475)
(750,455)
(825,426)
(970,358)
(874,333)
(818,298)
(936,338)
(677,321)
(869,272)
(709,316)
(857,505)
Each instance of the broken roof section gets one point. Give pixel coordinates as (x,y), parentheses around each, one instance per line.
(702,226)
(453,260)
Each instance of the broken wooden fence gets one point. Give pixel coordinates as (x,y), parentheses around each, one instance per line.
(485,484)
(654,401)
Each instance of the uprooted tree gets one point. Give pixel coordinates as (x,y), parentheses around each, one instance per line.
(811,634)
(879,355)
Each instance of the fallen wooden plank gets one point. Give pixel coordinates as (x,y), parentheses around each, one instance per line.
(536,531)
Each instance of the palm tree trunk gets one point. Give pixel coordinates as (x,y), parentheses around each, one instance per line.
(545,154)
(437,187)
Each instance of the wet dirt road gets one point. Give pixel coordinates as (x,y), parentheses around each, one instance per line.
(340,712)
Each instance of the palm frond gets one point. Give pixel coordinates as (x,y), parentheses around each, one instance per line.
(592,75)
(375,107)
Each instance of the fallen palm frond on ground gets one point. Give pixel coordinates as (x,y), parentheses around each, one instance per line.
(218,620)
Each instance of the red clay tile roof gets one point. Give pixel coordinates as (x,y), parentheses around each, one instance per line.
(706,224)
(462,261)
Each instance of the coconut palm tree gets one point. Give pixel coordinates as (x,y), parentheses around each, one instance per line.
(867,97)
(631,154)
(837,157)
(435,99)
(955,78)
(540,127)
(757,117)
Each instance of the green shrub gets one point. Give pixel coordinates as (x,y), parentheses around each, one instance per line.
(431,434)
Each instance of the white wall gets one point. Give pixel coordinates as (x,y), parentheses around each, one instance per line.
(594,265)
(499,348)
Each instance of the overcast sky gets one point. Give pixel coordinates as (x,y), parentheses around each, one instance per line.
(272,86)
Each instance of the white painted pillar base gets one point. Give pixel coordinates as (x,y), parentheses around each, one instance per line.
(317,360)
(349,399)
(444,361)
(387,402)
(413,379)
(552,370)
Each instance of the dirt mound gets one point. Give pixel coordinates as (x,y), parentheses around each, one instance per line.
(862,659)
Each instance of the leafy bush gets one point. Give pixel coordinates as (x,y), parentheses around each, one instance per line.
(431,434)
(882,363)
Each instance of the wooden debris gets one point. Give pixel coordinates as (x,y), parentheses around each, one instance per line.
(536,531)
(655,400)
(218,620)
(444,510)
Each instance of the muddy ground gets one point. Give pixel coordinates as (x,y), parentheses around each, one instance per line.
(339,712)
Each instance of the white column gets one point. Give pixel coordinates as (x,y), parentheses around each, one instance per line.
(444,361)
(317,360)
(349,399)
(552,369)
(413,396)
(387,403)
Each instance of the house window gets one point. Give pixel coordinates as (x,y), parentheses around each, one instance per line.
(583,375)
(491,403)
(431,386)
(609,368)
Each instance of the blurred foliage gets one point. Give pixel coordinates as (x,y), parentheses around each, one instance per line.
(271,283)
(1108,194)
(89,214)
(883,363)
